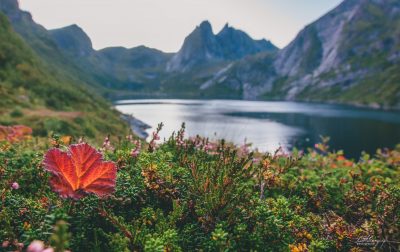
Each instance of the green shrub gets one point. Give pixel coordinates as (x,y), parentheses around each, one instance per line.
(192,195)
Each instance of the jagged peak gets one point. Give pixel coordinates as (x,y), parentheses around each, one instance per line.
(205,26)
(226,26)
(72,27)
(73,38)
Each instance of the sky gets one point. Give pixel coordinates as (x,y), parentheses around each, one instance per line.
(163,24)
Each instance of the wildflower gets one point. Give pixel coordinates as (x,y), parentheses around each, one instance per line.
(5,244)
(180,142)
(107,145)
(19,245)
(66,140)
(15,186)
(156,136)
(135,152)
(244,149)
(180,136)
(129,138)
(301,247)
(209,147)
(35,246)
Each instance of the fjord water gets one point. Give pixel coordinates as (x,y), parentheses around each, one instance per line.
(270,125)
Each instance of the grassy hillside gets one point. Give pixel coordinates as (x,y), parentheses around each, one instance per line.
(45,99)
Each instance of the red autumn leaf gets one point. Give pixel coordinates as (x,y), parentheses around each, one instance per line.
(80,171)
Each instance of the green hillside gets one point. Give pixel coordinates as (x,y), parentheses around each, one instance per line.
(45,99)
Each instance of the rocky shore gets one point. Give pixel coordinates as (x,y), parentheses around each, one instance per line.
(138,127)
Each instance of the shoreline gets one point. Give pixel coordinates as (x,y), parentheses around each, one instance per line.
(138,127)
(370,106)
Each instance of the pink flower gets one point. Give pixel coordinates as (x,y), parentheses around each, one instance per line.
(208,147)
(5,244)
(135,153)
(35,246)
(15,186)
(156,136)
(19,245)
(50,250)
(107,145)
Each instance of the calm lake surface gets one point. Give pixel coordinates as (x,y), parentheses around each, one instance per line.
(269,125)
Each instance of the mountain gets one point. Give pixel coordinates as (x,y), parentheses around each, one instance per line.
(143,71)
(114,68)
(73,40)
(131,68)
(236,44)
(45,99)
(349,55)
(202,47)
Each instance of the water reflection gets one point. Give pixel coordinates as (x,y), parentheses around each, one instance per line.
(269,125)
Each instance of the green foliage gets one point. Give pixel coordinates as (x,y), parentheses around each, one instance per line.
(33,93)
(59,239)
(192,194)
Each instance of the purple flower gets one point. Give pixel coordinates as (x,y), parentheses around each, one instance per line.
(135,153)
(15,186)
(5,244)
(35,246)
(156,136)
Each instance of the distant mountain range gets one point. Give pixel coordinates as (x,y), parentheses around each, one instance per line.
(350,55)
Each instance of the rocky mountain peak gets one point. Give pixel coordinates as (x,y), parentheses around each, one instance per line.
(206,26)
(73,39)
(202,46)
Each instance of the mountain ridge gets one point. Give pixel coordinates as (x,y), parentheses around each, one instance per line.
(349,55)
(202,46)
(338,58)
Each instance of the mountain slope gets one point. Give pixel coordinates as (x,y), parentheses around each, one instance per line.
(202,47)
(35,95)
(349,55)
(41,41)
(114,67)
(236,44)
(73,40)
